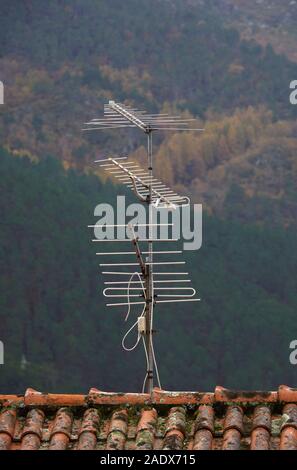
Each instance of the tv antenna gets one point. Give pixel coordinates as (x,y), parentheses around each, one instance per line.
(144,285)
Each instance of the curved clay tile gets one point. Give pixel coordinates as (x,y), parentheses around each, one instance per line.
(175,429)
(288,439)
(118,431)
(88,432)
(240,396)
(165,397)
(261,427)
(32,433)
(287,394)
(97,397)
(61,432)
(204,428)
(34,398)
(146,430)
(7,424)
(233,428)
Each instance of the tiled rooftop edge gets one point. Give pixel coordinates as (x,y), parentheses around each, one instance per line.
(222,395)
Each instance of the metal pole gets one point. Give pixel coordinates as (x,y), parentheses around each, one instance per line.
(149,276)
(148,190)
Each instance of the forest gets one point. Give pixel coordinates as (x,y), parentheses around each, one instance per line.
(58,334)
(60,61)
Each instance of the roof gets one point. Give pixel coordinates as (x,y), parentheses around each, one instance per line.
(225,419)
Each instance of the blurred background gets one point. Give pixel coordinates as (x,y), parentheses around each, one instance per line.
(227,62)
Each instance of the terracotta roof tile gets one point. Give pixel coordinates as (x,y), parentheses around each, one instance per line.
(7,400)
(175,429)
(32,397)
(146,429)
(225,419)
(261,428)
(164,397)
(7,424)
(233,428)
(224,395)
(61,430)
(97,397)
(32,432)
(287,394)
(87,436)
(288,440)
(118,430)
(204,428)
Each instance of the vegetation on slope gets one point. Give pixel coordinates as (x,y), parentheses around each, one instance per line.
(58,336)
(266,21)
(61,61)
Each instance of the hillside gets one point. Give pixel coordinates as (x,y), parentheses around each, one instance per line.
(266,21)
(60,62)
(58,335)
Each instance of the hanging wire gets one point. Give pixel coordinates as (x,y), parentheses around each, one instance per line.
(128,313)
(139,336)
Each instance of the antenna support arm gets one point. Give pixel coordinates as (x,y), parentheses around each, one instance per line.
(140,197)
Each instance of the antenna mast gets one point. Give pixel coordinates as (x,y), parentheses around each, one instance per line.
(153,193)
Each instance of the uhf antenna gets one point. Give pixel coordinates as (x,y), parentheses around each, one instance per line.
(141,282)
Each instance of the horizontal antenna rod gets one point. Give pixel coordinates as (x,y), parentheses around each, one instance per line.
(118,304)
(137,264)
(133,253)
(139,240)
(170,281)
(130,274)
(127,225)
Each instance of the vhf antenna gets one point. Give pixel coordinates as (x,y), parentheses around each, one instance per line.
(151,287)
